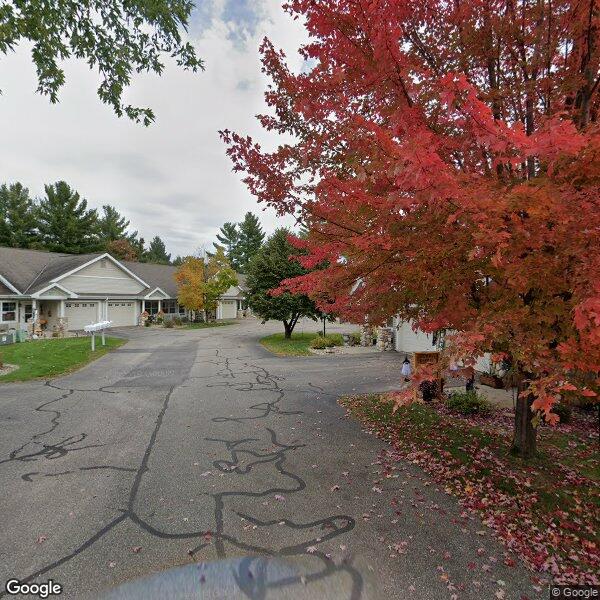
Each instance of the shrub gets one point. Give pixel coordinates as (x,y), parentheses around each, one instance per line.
(147,323)
(355,336)
(320,343)
(563,411)
(168,323)
(328,341)
(468,403)
(177,321)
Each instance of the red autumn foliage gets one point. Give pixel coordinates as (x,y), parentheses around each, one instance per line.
(447,156)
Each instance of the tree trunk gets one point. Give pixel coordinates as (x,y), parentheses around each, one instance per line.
(289,325)
(288,329)
(525,434)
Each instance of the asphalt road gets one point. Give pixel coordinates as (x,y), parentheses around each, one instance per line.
(184,447)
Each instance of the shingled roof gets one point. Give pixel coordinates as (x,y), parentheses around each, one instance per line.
(4,291)
(162,276)
(31,270)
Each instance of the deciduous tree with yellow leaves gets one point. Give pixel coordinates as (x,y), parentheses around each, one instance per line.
(201,283)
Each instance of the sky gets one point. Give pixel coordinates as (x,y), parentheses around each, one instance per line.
(173,178)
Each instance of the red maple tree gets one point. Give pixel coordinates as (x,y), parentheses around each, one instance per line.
(447,155)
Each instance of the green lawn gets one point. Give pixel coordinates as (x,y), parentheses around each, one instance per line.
(297,345)
(49,358)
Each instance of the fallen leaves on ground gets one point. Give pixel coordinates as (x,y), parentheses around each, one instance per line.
(544,510)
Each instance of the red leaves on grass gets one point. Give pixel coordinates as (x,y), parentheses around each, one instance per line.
(544,514)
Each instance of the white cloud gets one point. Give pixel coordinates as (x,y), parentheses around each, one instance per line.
(172,179)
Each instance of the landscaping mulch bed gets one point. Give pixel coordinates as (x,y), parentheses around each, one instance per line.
(545,510)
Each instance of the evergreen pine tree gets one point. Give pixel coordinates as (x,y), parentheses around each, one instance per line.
(113,226)
(250,240)
(18,221)
(228,241)
(157,252)
(139,243)
(65,223)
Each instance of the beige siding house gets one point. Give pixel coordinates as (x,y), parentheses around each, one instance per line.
(77,290)
(233,301)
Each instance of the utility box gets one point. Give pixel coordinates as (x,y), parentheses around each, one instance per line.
(20,335)
(7,338)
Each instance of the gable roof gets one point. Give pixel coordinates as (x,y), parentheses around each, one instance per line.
(30,271)
(156,276)
(242,281)
(104,256)
(5,291)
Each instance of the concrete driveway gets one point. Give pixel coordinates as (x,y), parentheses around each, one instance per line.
(183,447)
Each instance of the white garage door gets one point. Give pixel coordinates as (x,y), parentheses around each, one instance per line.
(80,314)
(122,314)
(229,309)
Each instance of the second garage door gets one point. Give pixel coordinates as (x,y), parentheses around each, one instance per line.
(80,314)
(122,314)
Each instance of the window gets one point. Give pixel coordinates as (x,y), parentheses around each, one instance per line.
(9,311)
(152,307)
(28,312)
(169,307)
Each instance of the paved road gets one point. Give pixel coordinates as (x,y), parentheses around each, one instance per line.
(183,447)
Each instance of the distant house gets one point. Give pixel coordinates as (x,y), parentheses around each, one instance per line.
(407,340)
(233,301)
(86,288)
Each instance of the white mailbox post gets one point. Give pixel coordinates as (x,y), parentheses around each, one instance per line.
(95,328)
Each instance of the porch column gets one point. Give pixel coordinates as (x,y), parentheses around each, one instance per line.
(159,305)
(34,309)
(143,306)
(61,310)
